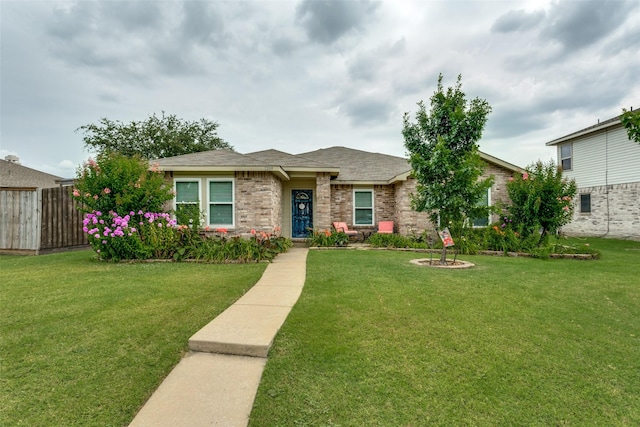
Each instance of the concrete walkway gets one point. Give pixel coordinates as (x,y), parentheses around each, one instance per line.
(216,383)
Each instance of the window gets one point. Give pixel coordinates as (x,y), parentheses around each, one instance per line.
(565,157)
(187,200)
(585,203)
(484,221)
(363,207)
(221,202)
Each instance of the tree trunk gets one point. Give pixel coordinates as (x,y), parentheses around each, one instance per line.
(443,257)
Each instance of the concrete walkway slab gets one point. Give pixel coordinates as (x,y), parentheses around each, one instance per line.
(205,390)
(216,384)
(245,330)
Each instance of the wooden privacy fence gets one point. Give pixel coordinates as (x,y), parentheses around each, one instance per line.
(32,220)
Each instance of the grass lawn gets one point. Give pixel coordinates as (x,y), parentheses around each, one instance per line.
(86,343)
(377,341)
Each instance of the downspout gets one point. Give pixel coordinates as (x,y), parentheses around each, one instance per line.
(606,175)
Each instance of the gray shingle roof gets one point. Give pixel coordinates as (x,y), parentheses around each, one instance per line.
(357,165)
(353,165)
(18,176)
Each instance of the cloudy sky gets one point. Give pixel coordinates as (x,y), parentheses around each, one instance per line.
(308,74)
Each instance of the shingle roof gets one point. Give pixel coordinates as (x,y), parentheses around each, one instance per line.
(348,165)
(18,176)
(210,158)
(357,165)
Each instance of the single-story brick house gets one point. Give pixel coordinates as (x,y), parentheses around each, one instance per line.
(268,189)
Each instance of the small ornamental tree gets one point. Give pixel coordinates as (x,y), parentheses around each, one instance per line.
(121,184)
(444,156)
(153,138)
(631,122)
(541,200)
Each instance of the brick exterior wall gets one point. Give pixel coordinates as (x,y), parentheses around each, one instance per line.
(341,203)
(615,212)
(323,202)
(499,188)
(408,221)
(258,201)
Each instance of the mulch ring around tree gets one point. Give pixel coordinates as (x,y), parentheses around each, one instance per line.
(435,262)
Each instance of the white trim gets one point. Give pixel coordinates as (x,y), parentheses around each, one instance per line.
(233,202)
(570,145)
(175,191)
(373,210)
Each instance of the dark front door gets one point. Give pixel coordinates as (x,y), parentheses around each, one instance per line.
(301,212)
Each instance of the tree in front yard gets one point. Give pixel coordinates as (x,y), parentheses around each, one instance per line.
(541,200)
(631,121)
(153,138)
(122,184)
(444,155)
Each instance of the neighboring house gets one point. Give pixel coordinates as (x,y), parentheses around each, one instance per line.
(268,189)
(606,166)
(14,175)
(36,213)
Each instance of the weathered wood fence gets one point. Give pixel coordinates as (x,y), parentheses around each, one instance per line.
(33,220)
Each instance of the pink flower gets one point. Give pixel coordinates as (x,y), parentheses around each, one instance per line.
(106,190)
(160,224)
(95,197)
(76,193)
(525,176)
(510,178)
(253,231)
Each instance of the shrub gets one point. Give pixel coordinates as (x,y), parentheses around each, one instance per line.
(148,235)
(117,183)
(326,238)
(541,200)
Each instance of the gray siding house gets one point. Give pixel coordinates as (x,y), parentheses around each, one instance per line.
(295,193)
(606,166)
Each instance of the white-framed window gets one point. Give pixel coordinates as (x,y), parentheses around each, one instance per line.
(221,202)
(566,155)
(484,221)
(187,200)
(363,207)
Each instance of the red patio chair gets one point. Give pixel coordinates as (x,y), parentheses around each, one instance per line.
(385,227)
(342,226)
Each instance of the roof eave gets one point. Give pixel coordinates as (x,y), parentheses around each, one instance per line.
(276,170)
(587,131)
(496,161)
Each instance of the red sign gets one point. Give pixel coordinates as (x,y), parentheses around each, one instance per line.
(445,236)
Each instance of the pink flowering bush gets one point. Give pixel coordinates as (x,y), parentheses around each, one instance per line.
(149,235)
(114,182)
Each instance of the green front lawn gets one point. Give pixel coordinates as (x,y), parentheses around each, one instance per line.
(86,343)
(377,341)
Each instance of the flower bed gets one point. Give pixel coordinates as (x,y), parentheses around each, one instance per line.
(150,235)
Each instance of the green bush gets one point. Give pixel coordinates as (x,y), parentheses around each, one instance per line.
(327,238)
(117,183)
(140,236)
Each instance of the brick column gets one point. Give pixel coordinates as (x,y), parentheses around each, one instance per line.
(322,218)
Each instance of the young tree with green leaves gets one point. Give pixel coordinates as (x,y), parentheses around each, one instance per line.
(153,138)
(631,121)
(443,149)
(122,184)
(541,200)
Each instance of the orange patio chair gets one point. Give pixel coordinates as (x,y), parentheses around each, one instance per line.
(385,227)
(342,226)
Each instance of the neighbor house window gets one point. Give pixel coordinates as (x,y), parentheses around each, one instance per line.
(565,157)
(585,203)
(363,207)
(187,205)
(483,221)
(221,202)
